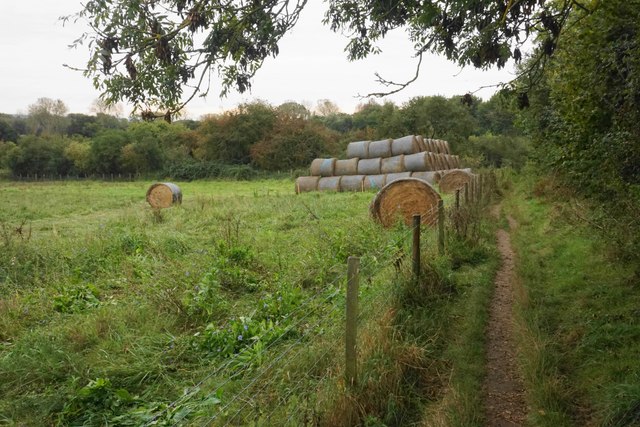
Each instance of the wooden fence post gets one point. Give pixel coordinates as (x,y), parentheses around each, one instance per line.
(416,248)
(351,355)
(441,227)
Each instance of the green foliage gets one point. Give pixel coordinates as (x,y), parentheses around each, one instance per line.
(294,143)
(584,112)
(39,155)
(76,299)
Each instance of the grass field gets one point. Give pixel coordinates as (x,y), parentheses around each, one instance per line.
(228,309)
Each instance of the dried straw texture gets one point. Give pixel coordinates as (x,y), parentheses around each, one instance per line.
(307,183)
(418,162)
(429,143)
(330,183)
(432,162)
(164,195)
(359,149)
(352,183)
(380,148)
(447,149)
(374,182)
(396,176)
(431,178)
(405,145)
(323,167)
(421,143)
(346,167)
(369,166)
(393,164)
(403,199)
(454,180)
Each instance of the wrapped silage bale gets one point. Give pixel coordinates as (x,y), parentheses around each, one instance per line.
(405,145)
(380,148)
(346,167)
(359,149)
(307,183)
(374,182)
(393,164)
(352,183)
(370,166)
(330,183)
(323,167)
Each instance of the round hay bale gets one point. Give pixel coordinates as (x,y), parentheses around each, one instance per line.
(307,183)
(352,183)
(164,195)
(433,166)
(393,164)
(418,162)
(370,166)
(359,149)
(323,167)
(421,143)
(374,182)
(346,167)
(396,176)
(447,162)
(454,180)
(380,148)
(405,145)
(329,183)
(431,178)
(447,149)
(403,199)
(430,145)
(438,146)
(457,162)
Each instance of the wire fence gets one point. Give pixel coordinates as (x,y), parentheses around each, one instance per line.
(305,353)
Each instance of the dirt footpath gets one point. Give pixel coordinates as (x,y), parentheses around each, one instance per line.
(503,388)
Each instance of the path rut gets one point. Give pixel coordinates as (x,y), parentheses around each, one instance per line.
(503,387)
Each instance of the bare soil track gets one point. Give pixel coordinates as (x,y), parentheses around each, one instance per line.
(503,388)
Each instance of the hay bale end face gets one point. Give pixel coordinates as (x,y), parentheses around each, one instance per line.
(164,195)
(454,180)
(404,198)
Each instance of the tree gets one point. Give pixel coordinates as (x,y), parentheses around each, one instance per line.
(147,53)
(46,116)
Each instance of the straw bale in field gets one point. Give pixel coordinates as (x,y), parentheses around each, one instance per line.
(403,199)
(346,167)
(164,195)
(405,145)
(370,166)
(431,178)
(396,176)
(323,167)
(352,183)
(393,164)
(374,182)
(454,179)
(329,183)
(359,149)
(418,162)
(380,148)
(307,183)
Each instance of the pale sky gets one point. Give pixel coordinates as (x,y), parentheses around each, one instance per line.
(312,65)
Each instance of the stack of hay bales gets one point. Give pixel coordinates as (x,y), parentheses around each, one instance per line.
(373,164)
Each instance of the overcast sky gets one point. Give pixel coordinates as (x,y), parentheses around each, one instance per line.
(311,66)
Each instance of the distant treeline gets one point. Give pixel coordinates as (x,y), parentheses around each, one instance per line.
(253,137)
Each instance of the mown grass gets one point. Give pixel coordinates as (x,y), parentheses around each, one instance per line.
(579,315)
(113,314)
